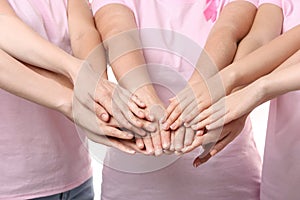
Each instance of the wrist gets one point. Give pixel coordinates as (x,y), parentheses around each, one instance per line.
(260,90)
(229,79)
(73,68)
(65,103)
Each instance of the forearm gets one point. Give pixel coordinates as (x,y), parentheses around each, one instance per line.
(117,26)
(267,25)
(32,49)
(41,87)
(85,39)
(262,61)
(279,83)
(222,42)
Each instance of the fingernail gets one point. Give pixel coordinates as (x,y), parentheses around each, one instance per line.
(165,145)
(158,152)
(213,152)
(164,126)
(199,133)
(131,151)
(196,164)
(186,124)
(104,116)
(173,126)
(151,117)
(141,114)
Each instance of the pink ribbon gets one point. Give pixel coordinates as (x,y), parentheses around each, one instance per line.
(211,12)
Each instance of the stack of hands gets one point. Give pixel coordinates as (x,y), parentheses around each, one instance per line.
(139,123)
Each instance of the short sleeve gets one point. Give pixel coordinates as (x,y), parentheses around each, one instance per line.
(275,2)
(254,2)
(97,4)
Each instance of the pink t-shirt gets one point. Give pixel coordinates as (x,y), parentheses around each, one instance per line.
(233,174)
(41,153)
(281,177)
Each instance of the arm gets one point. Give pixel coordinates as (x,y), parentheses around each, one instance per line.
(221,45)
(219,51)
(32,49)
(117,26)
(262,61)
(270,17)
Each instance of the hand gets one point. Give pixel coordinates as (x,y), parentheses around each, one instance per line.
(181,139)
(107,99)
(154,141)
(228,109)
(192,101)
(229,133)
(101,132)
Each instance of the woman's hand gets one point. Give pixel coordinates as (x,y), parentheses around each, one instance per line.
(108,99)
(191,101)
(157,140)
(223,135)
(229,108)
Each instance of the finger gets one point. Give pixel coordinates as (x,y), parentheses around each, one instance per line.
(172,146)
(199,161)
(137,101)
(148,144)
(191,111)
(178,122)
(219,121)
(110,142)
(198,140)
(133,146)
(172,117)
(156,140)
(223,143)
(101,113)
(179,138)
(136,110)
(198,117)
(121,106)
(88,120)
(122,147)
(123,123)
(189,137)
(140,143)
(165,139)
(114,132)
(170,109)
(216,119)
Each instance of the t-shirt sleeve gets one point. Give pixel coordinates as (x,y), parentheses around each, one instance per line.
(97,4)
(275,2)
(254,2)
